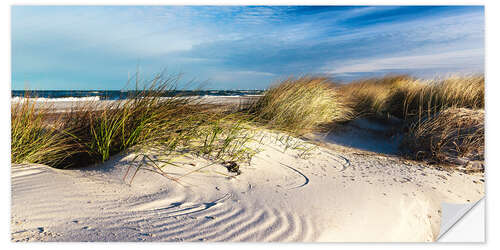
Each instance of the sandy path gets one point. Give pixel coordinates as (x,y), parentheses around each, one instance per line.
(332,195)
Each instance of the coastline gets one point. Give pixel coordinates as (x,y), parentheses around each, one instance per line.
(66,104)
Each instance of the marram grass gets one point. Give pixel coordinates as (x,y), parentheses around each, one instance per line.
(368,97)
(92,132)
(406,97)
(104,130)
(300,104)
(450,134)
(425,98)
(33,140)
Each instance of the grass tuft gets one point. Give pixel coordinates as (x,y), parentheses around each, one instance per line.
(33,140)
(300,104)
(452,133)
(444,117)
(151,113)
(368,97)
(406,97)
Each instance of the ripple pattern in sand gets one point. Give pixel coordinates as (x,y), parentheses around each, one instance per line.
(162,216)
(216,220)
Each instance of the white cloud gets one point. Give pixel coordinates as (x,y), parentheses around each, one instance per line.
(227,76)
(122,31)
(466,59)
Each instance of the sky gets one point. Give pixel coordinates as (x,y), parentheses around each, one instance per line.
(239,47)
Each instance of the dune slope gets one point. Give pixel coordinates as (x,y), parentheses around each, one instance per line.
(331,195)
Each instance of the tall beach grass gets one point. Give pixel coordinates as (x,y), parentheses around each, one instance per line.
(406,97)
(369,97)
(444,118)
(300,104)
(155,118)
(33,140)
(152,117)
(104,130)
(452,135)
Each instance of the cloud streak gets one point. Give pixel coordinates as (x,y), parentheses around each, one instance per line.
(440,61)
(239,46)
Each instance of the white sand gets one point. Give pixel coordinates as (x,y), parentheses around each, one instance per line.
(337,194)
(67,103)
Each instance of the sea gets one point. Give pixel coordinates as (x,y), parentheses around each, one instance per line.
(74,95)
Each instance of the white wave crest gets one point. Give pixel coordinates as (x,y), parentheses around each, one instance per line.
(61,99)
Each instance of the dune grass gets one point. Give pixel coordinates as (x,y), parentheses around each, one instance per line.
(104,130)
(368,97)
(425,98)
(155,118)
(220,138)
(440,115)
(33,140)
(152,117)
(454,133)
(225,139)
(300,104)
(407,98)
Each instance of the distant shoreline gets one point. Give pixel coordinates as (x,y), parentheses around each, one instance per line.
(66,104)
(72,95)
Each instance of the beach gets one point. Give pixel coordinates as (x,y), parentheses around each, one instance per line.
(72,103)
(330,192)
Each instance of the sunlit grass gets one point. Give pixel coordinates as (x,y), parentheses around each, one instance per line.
(369,97)
(443,116)
(300,104)
(33,140)
(105,130)
(406,97)
(155,119)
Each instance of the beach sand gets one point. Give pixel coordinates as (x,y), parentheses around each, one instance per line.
(67,104)
(336,193)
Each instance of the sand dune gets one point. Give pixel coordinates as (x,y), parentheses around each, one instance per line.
(331,195)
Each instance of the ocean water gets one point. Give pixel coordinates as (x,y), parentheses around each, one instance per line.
(71,95)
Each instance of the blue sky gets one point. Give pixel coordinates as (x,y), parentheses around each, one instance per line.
(238,47)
